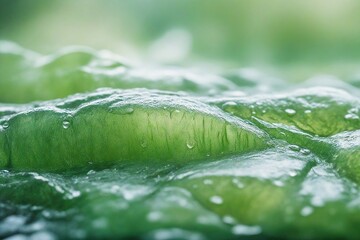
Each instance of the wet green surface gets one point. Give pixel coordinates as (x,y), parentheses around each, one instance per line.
(204,156)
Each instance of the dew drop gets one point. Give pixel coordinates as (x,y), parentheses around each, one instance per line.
(306,211)
(351,116)
(122,110)
(229,104)
(190,144)
(238,183)
(290,112)
(66,124)
(228,220)
(307,111)
(278,183)
(216,200)
(246,230)
(305,151)
(294,148)
(90,172)
(128,110)
(5,125)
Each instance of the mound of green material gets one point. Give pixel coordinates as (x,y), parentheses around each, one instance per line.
(208,159)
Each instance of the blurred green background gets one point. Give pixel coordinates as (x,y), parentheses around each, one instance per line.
(316,35)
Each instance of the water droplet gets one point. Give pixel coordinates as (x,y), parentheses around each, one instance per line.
(121,110)
(228,220)
(216,200)
(307,111)
(208,182)
(306,211)
(229,104)
(66,124)
(292,173)
(294,148)
(253,113)
(263,111)
(246,230)
(128,110)
(90,172)
(351,116)
(305,151)
(278,183)
(190,144)
(5,124)
(290,112)
(154,216)
(238,183)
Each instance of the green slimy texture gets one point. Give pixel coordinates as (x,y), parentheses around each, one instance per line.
(318,111)
(347,155)
(251,205)
(79,69)
(150,164)
(124,127)
(3,150)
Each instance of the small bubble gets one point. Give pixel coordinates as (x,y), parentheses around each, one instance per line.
(128,110)
(5,125)
(90,172)
(253,113)
(294,148)
(228,220)
(305,151)
(238,183)
(278,183)
(307,111)
(216,200)
(66,124)
(292,173)
(229,104)
(351,116)
(290,112)
(306,211)
(263,111)
(190,144)
(121,110)
(246,230)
